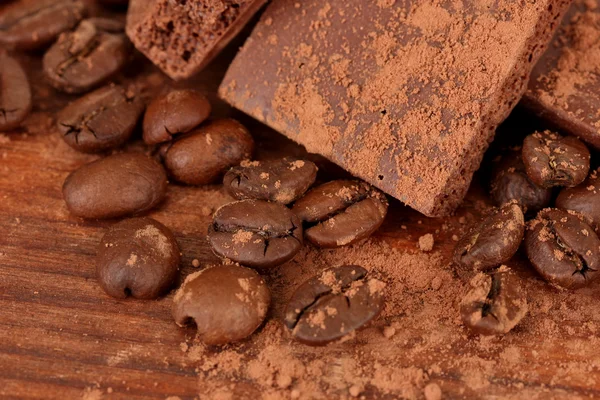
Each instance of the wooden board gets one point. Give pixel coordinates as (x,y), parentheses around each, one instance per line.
(61,337)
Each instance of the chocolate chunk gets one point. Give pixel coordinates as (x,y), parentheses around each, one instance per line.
(404,95)
(15,93)
(34,24)
(553,160)
(88,56)
(495,304)
(341,212)
(226,302)
(203,155)
(255,233)
(177,111)
(563,248)
(492,241)
(282,180)
(565,84)
(115,186)
(137,257)
(181,37)
(333,304)
(585,199)
(101,120)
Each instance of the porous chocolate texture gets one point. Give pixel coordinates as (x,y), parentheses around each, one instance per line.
(181,37)
(565,84)
(403,94)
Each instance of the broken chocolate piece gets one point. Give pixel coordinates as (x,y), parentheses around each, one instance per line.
(404,95)
(181,37)
(565,87)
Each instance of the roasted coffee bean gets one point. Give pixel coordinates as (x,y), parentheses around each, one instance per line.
(509,181)
(176,112)
(101,120)
(554,160)
(226,302)
(495,304)
(341,212)
(88,56)
(34,24)
(115,186)
(563,249)
(114,2)
(255,233)
(137,257)
(492,241)
(15,93)
(203,155)
(333,304)
(585,199)
(282,180)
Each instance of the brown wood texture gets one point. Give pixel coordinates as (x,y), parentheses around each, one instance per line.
(62,337)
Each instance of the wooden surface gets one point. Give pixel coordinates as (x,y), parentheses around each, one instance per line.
(61,337)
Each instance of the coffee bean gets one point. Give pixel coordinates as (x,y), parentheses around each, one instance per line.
(15,93)
(341,212)
(282,180)
(226,302)
(585,199)
(88,56)
(492,241)
(203,155)
(101,120)
(495,304)
(137,257)
(115,186)
(554,160)
(333,304)
(509,181)
(34,24)
(176,112)
(255,233)
(563,249)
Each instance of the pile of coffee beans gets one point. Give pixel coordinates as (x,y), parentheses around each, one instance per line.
(561,243)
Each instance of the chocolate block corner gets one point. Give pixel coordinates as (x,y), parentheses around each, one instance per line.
(405,95)
(182,37)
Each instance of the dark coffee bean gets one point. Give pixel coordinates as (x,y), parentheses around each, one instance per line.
(115,186)
(554,160)
(563,249)
(203,155)
(509,181)
(101,120)
(492,241)
(585,199)
(226,302)
(137,257)
(333,304)
(88,56)
(255,233)
(114,2)
(495,304)
(283,180)
(341,212)
(178,111)
(34,24)
(15,93)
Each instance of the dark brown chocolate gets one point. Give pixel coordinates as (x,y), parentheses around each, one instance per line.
(181,37)
(405,95)
(565,83)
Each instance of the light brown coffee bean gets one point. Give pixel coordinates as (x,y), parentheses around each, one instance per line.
(226,302)
(15,93)
(137,257)
(115,186)
(203,155)
(173,113)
